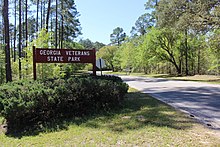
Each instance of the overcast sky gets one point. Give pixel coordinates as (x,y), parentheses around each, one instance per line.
(98,18)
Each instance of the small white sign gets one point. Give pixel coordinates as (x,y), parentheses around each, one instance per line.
(100,63)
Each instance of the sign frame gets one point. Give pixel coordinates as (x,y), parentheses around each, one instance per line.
(48,55)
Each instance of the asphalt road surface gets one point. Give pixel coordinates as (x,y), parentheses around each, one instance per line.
(200,100)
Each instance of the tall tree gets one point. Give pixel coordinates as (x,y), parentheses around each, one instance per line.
(187,16)
(20,38)
(62,25)
(168,47)
(15,28)
(108,53)
(144,22)
(97,45)
(118,36)
(37,17)
(215,48)
(87,43)
(71,25)
(56,25)
(26,23)
(7,42)
(48,14)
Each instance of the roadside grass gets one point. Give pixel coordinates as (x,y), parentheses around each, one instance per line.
(201,78)
(197,78)
(141,121)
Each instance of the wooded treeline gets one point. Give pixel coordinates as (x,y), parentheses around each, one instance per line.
(175,36)
(43,23)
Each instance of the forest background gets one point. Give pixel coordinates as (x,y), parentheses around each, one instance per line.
(176,37)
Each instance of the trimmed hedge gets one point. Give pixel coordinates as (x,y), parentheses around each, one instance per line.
(27,103)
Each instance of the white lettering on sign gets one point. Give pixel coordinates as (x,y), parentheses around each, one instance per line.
(55,58)
(69,53)
(50,52)
(73,59)
(77,53)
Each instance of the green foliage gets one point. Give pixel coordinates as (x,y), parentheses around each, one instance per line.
(88,44)
(2,65)
(214,51)
(162,50)
(118,36)
(71,44)
(175,37)
(24,102)
(44,71)
(168,47)
(138,53)
(44,40)
(141,121)
(182,15)
(214,42)
(107,53)
(28,103)
(97,45)
(70,15)
(143,23)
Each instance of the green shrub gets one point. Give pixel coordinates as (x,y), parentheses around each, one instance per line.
(109,77)
(27,103)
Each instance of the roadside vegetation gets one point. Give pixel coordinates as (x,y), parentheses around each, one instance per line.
(176,38)
(29,104)
(212,79)
(140,121)
(164,40)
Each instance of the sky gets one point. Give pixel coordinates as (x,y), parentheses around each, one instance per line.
(98,18)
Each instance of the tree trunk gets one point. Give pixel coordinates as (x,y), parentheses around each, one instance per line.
(19,40)
(48,15)
(62,27)
(199,56)
(41,15)
(15,30)
(178,69)
(26,32)
(37,16)
(56,25)
(43,19)
(186,52)
(26,23)
(7,42)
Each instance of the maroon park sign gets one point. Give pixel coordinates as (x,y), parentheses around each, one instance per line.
(45,55)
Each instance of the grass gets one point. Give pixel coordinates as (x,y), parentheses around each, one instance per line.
(1,120)
(141,121)
(201,78)
(197,78)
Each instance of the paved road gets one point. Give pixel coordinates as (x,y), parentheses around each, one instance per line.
(198,99)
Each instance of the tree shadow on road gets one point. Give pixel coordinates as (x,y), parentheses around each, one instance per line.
(202,102)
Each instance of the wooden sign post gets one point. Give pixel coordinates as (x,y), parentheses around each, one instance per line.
(45,55)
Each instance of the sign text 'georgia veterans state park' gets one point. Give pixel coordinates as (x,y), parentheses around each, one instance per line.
(45,55)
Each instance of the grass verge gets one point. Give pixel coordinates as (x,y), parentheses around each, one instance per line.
(142,121)
(197,78)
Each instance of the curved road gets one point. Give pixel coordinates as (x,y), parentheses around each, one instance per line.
(200,100)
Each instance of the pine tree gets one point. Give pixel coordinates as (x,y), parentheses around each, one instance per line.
(7,42)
